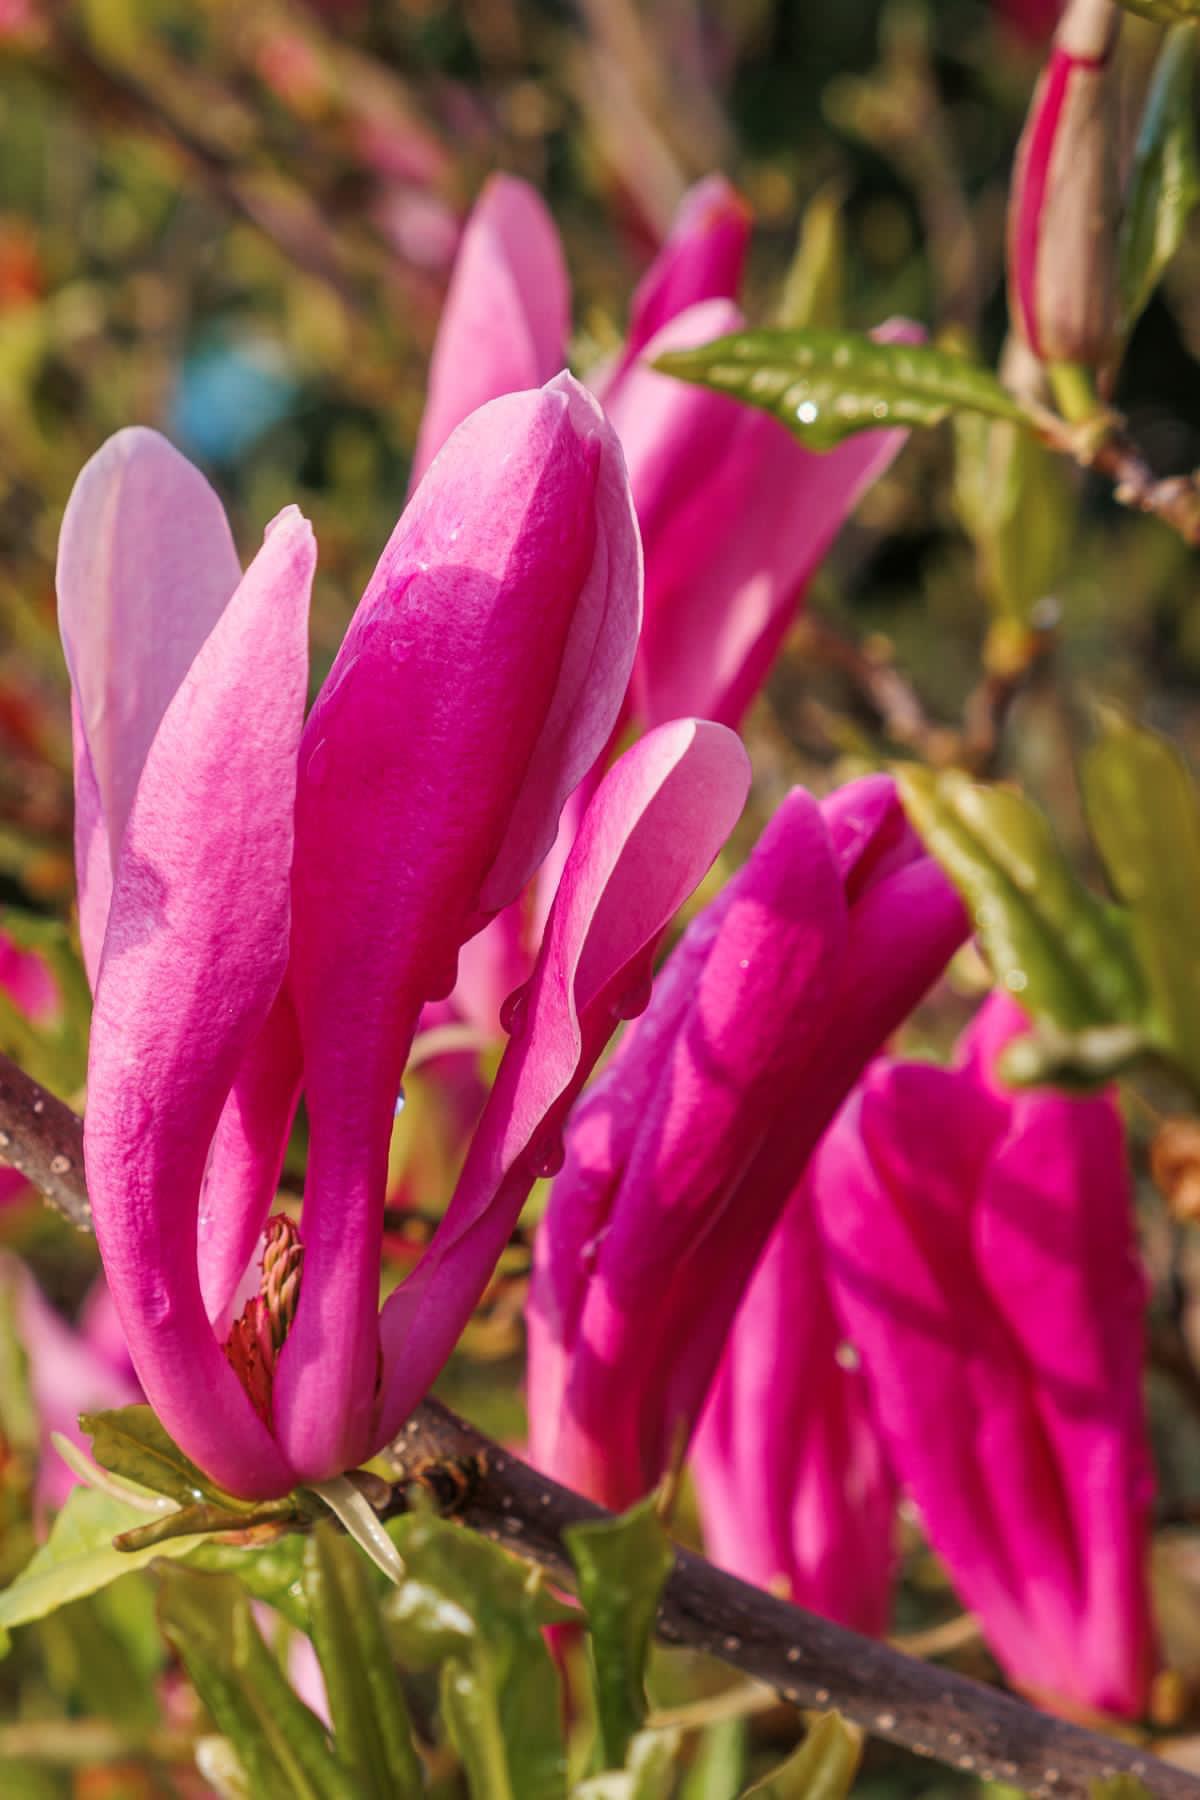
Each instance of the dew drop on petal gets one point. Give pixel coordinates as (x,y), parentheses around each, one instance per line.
(512,1011)
(547,1155)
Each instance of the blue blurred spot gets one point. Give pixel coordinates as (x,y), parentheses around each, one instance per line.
(227,396)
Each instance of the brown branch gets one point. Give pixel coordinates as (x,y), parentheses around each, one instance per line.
(808,1660)
(43,1139)
(1103,444)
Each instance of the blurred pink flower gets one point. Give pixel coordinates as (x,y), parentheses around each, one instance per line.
(72,1369)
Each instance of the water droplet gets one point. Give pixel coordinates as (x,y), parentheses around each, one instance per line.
(1016,981)
(590,1254)
(808,413)
(846,1357)
(548,1155)
(636,997)
(317,764)
(59,1165)
(401,1102)
(39,1106)
(512,1011)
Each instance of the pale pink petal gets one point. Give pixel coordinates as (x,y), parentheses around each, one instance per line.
(507,314)
(146,565)
(193,957)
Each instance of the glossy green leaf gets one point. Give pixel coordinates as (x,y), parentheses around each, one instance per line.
(1015,501)
(827,385)
(131,1443)
(1164,183)
(78,1558)
(823,1768)
(1063,950)
(1143,812)
(812,292)
(622,1566)
(281,1745)
(649,1772)
(464,1601)
(370,1720)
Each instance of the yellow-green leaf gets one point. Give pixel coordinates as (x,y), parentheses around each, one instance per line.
(827,385)
(1164,183)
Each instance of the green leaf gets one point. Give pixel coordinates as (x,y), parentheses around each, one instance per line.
(90,1663)
(1164,183)
(827,385)
(823,1768)
(1064,951)
(281,1745)
(649,1771)
(370,1719)
(131,1443)
(622,1566)
(719,1764)
(270,1572)
(78,1558)
(1163,12)
(464,1601)
(1014,499)
(1119,1787)
(469,1693)
(812,292)
(1142,810)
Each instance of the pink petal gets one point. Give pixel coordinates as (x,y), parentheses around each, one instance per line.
(507,315)
(146,564)
(988,1277)
(736,517)
(656,1153)
(478,681)
(654,826)
(702,259)
(193,957)
(795,1491)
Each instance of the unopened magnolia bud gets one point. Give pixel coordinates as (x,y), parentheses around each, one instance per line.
(1065,201)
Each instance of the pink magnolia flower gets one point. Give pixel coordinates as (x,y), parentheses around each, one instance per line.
(980,1251)
(267,901)
(796,1492)
(683,1154)
(735,515)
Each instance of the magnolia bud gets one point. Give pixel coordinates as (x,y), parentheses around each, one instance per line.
(1063,210)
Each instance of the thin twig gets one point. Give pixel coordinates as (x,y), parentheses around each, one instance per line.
(809,1661)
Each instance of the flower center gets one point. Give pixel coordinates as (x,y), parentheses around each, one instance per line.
(254,1343)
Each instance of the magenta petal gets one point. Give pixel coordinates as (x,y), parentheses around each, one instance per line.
(193,957)
(507,314)
(656,1153)
(988,1276)
(736,517)
(795,1490)
(702,259)
(654,826)
(479,679)
(146,565)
